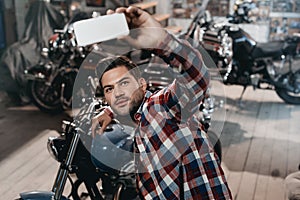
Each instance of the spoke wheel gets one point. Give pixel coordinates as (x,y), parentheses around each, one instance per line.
(293,83)
(46,98)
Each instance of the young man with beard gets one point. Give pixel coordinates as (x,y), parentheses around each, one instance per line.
(174,159)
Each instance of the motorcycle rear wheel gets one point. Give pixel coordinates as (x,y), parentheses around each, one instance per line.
(288,97)
(294,83)
(46,98)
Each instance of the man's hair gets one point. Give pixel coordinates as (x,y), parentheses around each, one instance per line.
(113,62)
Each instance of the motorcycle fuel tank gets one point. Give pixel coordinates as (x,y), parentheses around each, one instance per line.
(39,195)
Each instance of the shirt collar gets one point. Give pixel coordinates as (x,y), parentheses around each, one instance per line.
(138,114)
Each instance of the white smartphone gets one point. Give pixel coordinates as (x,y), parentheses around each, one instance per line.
(99,29)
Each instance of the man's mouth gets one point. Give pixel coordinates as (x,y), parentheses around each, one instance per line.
(122,102)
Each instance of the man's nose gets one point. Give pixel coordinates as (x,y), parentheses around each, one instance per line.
(118,91)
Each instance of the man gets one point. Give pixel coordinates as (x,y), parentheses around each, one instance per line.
(174,159)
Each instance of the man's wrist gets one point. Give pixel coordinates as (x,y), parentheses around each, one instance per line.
(164,47)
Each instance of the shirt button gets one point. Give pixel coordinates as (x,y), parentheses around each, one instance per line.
(137,116)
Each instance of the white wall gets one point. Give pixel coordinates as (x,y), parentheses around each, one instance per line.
(259,32)
(164,6)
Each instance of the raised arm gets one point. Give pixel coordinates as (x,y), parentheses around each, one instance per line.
(192,76)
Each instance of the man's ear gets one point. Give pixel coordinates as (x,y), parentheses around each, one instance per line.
(143,83)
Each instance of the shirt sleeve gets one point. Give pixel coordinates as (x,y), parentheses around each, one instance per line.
(192,76)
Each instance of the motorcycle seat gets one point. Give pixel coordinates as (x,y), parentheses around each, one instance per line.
(270,49)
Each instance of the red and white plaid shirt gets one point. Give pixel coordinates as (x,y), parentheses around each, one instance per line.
(174,157)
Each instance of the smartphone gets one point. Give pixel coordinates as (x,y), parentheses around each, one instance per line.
(99,29)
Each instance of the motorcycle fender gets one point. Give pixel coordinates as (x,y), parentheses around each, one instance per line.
(39,195)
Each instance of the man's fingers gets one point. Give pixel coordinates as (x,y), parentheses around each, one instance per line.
(93,130)
(103,127)
(110,11)
(95,124)
(135,11)
(121,10)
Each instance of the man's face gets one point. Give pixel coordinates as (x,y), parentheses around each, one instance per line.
(120,89)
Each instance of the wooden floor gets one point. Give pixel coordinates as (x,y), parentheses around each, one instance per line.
(261,145)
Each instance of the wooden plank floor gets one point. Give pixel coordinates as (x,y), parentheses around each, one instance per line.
(261,145)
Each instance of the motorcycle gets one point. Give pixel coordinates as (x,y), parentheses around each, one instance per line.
(242,12)
(79,154)
(50,83)
(243,61)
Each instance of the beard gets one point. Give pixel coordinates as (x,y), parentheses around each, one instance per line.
(136,101)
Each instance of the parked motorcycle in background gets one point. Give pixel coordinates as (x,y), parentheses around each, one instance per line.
(242,12)
(50,83)
(243,61)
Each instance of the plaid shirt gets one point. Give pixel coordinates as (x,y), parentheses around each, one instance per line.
(174,157)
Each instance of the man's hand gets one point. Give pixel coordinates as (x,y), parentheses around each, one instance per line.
(103,119)
(150,32)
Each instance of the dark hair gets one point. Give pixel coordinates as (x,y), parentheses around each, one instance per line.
(113,62)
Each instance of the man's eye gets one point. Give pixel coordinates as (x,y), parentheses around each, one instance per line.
(124,83)
(108,90)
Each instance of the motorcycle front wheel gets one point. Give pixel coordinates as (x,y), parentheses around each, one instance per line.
(290,95)
(46,97)
(121,193)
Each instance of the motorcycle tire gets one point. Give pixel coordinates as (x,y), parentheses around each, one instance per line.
(121,193)
(215,141)
(46,98)
(118,192)
(286,95)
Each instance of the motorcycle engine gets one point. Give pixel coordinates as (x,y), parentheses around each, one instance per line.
(219,46)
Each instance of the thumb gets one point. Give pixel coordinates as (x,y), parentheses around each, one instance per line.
(103,128)
(93,130)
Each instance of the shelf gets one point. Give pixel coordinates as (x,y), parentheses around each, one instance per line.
(161,17)
(145,5)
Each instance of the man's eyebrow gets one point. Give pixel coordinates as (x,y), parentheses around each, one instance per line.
(119,81)
(123,79)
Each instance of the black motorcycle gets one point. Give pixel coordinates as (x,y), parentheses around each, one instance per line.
(91,160)
(50,83)
(243,61)
(242,12)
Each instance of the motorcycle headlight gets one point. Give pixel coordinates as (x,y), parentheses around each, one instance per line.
(57,148)
(52,148)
